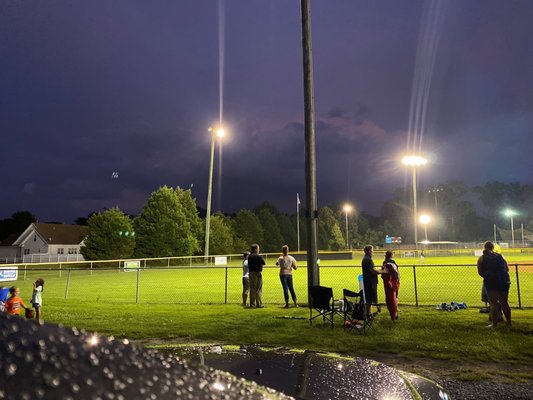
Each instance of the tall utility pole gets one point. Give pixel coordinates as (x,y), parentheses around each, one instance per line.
(209,191)
(311,212)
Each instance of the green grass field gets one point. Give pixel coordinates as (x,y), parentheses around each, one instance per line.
(438,280)
(186,305)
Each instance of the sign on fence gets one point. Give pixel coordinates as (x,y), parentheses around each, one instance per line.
(478,253)
(9,273)
(221,260)
(130,266)
(393,239)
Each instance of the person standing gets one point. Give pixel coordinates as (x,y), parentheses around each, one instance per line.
(255,266)
(14,303)
(245,278)
(286,264)
(370,279)
(391,284)
(494,270)
(4,292)
(37,297)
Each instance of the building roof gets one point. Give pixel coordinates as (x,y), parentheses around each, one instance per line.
(56,233)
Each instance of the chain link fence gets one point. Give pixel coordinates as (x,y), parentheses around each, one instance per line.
(424,284)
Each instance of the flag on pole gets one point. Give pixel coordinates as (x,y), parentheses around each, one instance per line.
(297,199)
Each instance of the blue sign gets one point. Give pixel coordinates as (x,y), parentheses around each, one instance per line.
(9,274)
(388,240)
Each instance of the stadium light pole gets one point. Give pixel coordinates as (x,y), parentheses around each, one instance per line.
(347,208)
(511,213)
(414,162)
(214,134)
(425,220)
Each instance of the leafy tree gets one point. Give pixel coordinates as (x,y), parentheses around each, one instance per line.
(83,220)
(329,232)
(188,204)
(336,241)
(453,209)
(247,230)
(110,236)
(497,196)
(21,220)
(162,229)
(303,231)
(398,213)
(17,224)
(288,231)
(266,205)
(528,206)
(272,239)
(221,235)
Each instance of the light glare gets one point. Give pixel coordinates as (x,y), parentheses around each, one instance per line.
(93,340)
(414,161)
(425,219)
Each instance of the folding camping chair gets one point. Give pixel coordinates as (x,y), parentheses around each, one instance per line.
(355,309)
(322,302)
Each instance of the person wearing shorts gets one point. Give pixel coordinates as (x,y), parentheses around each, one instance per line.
(14,303)
(37,297)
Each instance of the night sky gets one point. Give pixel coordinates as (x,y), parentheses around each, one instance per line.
(102,102)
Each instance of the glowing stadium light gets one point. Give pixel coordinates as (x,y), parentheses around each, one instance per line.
(511,213)
(220,132)
(425,220)
(414,161)
(347,208)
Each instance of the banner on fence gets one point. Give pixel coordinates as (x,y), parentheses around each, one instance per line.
(9,273)
(221,260)
(130,266)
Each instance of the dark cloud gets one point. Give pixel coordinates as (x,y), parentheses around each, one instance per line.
(93,88)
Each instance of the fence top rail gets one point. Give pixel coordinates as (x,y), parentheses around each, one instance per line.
(221,267)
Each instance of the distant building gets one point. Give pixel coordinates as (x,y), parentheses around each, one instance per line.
(44,243)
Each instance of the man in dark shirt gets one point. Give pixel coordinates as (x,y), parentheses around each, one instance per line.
(370,279)
(255,265)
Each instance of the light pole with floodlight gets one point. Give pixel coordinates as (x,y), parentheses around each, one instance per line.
(414,161)
(347,208)
(425,220)
(220,134)
(510,213)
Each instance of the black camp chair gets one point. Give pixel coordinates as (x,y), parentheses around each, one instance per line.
(354,311)
(322,303)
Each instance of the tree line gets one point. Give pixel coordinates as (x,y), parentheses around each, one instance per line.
(170,223)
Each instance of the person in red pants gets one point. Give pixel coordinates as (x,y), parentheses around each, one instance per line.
(391,284)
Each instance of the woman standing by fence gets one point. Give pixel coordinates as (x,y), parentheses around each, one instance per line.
(286,264)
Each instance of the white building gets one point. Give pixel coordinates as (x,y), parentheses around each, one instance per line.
(45,243)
